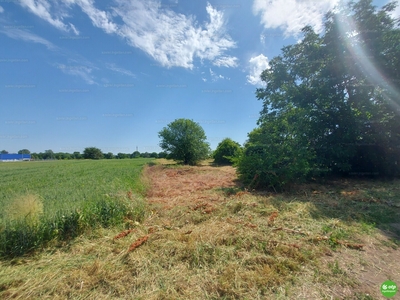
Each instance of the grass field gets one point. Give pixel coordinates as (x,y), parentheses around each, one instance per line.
(205,237)
(37,193)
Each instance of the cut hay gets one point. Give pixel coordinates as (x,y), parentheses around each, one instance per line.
(138,243)
(123,234)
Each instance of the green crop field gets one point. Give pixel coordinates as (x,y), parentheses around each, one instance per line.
(57,193)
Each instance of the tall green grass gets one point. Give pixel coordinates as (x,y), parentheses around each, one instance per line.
(59,200)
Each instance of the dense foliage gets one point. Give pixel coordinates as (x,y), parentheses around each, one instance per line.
(92,153)
(226,150)
(331,101)
(184,140)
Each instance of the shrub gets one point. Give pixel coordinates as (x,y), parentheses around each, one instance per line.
(226,151)
(275,156)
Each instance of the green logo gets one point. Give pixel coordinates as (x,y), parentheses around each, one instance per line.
(389,289)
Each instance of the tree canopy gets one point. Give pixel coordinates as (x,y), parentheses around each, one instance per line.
(184,140)
(92,153)
(24,151)
(336,95)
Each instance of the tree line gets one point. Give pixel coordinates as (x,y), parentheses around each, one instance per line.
(88,153)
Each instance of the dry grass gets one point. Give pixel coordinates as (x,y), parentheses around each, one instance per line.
(206,238)
(26,207)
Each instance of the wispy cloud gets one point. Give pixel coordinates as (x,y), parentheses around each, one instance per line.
(292,15)
(216,77)
(54,15)
(170,38)
(76,31)
(27,36)
(257,65)
(226,61)
(1,9)
(98,17)
(120,70)
(83,72)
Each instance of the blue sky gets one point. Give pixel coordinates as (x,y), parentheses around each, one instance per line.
(112,74)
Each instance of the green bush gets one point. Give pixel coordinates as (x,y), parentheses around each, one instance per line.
(226,151)
(275,156)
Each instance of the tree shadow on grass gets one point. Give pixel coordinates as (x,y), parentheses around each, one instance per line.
(373,203)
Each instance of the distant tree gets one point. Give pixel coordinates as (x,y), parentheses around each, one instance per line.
(92,153)
(122,155)
(67,156)
(162,155)
(76,155)
(135,154)
(4,152)
(108,155)
(184,140)
(38,155)
(59,155)
(62,155)
(24,151)
(48,154)
(154,154)
(226,150)
(145,155)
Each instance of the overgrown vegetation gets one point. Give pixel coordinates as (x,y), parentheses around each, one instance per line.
(57,201)
(330,105)
(227,151)
(208,238)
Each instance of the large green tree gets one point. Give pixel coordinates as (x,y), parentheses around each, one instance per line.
(341,90)
(184,140)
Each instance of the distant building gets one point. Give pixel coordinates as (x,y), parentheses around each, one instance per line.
(15,157)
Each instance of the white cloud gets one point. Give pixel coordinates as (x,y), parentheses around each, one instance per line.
(257,65)
(123,71)
(27,36)
(1,9)
(173,39)
(226,61)
(99,18)
(170,38)
(76,31)
(83,72)
(216,77)
(292,15)
(42,9)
